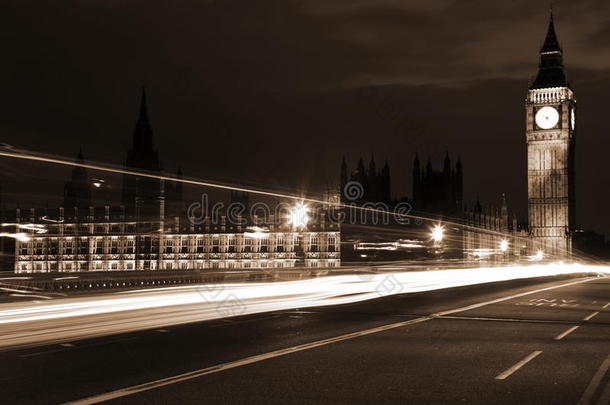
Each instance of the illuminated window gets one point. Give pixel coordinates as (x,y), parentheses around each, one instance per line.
(184,265)
(231,243)
(68,247)
(83,246)
(264,245)
(38,247)
(215,245)
(114,266)
(247,245)
(200,245)
(332,243)
(314,243)
(99,246)
(130,246)
(169,246)
(279,243)
(53,247)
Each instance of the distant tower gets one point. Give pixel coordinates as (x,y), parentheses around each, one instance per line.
(416,178)
(550,130)
(459,182)
(77,191)
(385,193)
(372,191)
(504,214)
(174,197)
(344,179)
(143,195)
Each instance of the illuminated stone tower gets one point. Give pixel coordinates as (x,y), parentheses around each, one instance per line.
(550,130)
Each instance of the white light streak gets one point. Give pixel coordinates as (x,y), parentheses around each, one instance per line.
(65,318)
(20,236)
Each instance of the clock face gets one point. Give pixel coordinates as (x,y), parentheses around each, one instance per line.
(573,118)
(547,117)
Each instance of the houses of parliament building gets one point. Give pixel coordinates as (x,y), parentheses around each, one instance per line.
(151,230)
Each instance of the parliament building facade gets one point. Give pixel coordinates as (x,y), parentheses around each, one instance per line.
(151,229)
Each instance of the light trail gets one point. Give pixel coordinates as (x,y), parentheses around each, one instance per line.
(71,318)
(19,154)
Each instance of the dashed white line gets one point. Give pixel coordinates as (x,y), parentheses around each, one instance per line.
(282,352)
(590,316)
(606,306)
(566,333)
(517,366)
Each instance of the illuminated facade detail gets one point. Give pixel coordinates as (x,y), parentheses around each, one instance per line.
(108,243)
(550,130)
(151,230)
(497,237)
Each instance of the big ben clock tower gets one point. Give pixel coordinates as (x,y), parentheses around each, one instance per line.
(550,130)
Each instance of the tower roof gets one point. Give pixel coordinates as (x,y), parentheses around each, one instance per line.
(143,109)
(551,44)
(551,72)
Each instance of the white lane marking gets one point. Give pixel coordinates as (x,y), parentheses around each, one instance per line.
(590,316)
(282,352)
(66,344)
(517,366)
(587,396)
(566,333)
(606,306)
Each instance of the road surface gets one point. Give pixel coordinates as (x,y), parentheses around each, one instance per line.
(525,341)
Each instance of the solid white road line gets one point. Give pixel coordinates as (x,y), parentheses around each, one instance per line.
(517,366)
(606,306)
(566,333)
(587,396)
(277,353)
(590,316)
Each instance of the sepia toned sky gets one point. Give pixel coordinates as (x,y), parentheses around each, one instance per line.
(275,92)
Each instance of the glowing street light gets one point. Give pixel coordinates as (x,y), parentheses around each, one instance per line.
(297,217)
(504,245)
(438,233)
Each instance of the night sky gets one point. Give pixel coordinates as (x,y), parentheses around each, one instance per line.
(275,92)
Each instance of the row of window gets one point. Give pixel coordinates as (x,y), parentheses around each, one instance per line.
(230,244)
(28,267)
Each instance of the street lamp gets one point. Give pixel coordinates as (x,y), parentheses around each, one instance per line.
(438,233)
(503,245)
(298,217)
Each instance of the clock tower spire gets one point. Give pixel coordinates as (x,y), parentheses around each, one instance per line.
(550,133)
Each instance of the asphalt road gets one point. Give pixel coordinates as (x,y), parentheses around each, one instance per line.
(526,342)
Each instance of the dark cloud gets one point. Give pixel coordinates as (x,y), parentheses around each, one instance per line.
(274,92)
